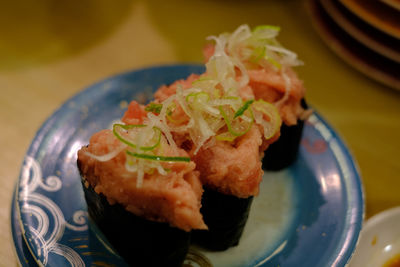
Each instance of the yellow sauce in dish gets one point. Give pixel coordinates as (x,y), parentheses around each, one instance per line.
(393,262)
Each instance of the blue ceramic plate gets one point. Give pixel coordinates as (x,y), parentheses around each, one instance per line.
(307,215)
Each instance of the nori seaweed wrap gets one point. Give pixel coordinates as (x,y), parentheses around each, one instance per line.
(283,152)
(139,241)
(225,216)
(231,173)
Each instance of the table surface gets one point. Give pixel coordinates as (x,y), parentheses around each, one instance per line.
(50,50)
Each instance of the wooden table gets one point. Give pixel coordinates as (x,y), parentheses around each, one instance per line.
(51,50)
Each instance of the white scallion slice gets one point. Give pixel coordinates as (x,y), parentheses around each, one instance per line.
(108,156)
(267,115)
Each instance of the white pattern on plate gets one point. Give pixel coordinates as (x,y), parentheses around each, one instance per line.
(43,210)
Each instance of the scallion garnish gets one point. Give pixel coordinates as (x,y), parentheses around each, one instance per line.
(229,123)
(243,108)
(154,107)
(158,158)
(266,27)
(126,141)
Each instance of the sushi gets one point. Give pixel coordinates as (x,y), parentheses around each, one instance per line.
(268,69)
(143,193)
(215,118)
(231,174)
(273,86)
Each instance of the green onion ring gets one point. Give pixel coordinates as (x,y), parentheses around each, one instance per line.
(243,108)
(131,126)
(229,124)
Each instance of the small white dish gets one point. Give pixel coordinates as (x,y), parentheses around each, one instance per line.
(379,240)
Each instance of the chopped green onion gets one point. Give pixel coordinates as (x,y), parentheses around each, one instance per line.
(243,108)
(258,54)
(170,109)
(231,97)
(272,126)
(169,118)
(226,136)
(131,126)
(216,93)
(267,27)
(197,96)
(158,158)
(202,79)
(273,62)
(154,107)
(230,126)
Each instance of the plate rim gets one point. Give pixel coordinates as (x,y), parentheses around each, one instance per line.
(14,227)
(361,214)
(364,12)
(392,4)
(368,36)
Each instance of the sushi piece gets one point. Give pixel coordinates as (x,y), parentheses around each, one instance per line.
(215,118)
(143,193)
(231,174)
(267,68)
(145,242)
(271,86)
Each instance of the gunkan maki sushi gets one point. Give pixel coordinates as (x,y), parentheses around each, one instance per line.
(142,192)
(231,173)
(215,118)
(268,70)
(228,160)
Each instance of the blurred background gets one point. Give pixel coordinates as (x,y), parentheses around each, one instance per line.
(51,50)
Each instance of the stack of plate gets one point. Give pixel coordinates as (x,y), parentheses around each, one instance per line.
(365,33)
